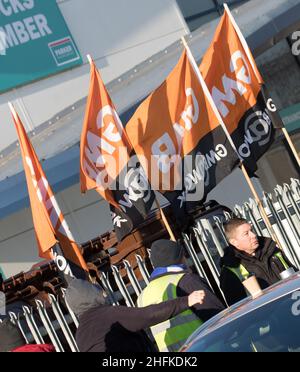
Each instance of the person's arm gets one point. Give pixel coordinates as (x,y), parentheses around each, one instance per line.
(211,304)
(136,319)
(231,286)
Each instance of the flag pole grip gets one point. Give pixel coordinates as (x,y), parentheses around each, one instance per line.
(165,220)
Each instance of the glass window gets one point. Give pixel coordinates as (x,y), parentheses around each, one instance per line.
(230,2)
(190,8)
(196,13)
(271,328)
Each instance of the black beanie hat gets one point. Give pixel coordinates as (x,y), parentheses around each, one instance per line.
(82,295)
(10,336)
(165,253)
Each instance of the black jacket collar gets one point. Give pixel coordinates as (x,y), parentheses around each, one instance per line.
(233,257)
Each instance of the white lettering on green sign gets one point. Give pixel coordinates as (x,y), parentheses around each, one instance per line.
(10,7)
(35,42)
(21,32)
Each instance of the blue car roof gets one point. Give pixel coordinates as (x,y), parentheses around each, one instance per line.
(247,305)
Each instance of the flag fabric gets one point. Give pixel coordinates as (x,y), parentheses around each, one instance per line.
(179,141)
(108,163)
(49,223)
(238,91)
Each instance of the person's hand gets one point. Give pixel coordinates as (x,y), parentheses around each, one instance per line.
(196,297)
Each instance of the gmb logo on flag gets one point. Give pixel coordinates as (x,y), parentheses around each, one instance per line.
(2,304)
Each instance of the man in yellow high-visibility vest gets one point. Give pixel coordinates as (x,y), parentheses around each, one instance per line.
(249,255)
(171,279)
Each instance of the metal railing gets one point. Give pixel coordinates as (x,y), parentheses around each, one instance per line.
(204,246)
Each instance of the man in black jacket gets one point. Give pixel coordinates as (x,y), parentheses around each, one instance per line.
(107,328)
(248,255)
(172,279)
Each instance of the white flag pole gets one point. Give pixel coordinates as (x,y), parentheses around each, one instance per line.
(243,41)
(90,59)
(208,95)
(165,220)
(218,115)
(254,67)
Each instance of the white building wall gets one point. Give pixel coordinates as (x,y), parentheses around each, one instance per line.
(118,34)
(87,216)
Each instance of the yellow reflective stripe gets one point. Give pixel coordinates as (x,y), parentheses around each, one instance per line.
(174,322)
(159,290)
(176,335)
(279,255)
(163,289)
(240,272)
(244,272)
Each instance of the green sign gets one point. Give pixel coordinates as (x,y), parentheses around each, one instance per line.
(291,117)
(35,42)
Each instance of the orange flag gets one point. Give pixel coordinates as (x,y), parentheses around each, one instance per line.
(103,140)
(178,138)
(107,161)
(49,223)
(236,86)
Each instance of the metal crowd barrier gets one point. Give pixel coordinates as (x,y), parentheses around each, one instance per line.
(48,324)
(204,245)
